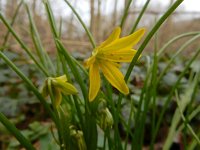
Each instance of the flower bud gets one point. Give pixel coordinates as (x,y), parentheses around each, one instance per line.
(105,119)
(57,86)
(77,136)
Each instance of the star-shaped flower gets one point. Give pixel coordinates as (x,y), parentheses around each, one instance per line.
(106,57)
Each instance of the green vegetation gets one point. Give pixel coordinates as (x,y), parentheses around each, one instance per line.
(161,110)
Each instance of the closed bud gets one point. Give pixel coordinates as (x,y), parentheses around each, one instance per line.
(105,119)
(78,138)
(57,86)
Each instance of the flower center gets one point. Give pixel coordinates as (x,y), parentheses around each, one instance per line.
(95,52)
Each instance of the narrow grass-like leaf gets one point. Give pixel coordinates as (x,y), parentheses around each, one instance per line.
(74,69)
(125,13)
(140,16)
(171,94)
(51,19)
(174,40)
(22,44)
(12,22)
(176,54)
(83,24)
(44,58)
(10,127)
(186,98)
(183,118)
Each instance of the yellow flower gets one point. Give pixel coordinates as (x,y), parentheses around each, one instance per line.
(106,58)
(58,86)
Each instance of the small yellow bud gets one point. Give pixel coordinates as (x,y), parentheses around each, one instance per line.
(57,86)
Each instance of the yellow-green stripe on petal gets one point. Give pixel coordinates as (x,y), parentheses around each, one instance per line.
(114,76)
(94,81)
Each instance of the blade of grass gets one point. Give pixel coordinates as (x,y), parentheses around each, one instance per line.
(155,84)
(51,19)
(174,40)
(83,24)
(117,139)
(176,54)
(183,118)
(177,117)
(23,45)
(171,94)
(125,13)
(54,30)
(140,16)
(190,117)
(10,127)
(150,94)
(74,69)
(12,22)
(44,58)
(193,145)
(140,109)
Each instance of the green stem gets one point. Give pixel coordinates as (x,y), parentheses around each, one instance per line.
(42,54)
(140,16)
(33,35)
(125,13)
(175,39)
(176,54)
(184,119)
(12,22)
(83,24)
(74,69)
(10,127)
(51,19)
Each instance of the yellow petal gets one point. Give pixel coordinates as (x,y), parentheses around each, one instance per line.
(126,42)
(62,78)
(113,36)
(89,61)
(68,88)
(57,97)
(118,55)
(65,87)
(94,81)
(44,89)
(114,76)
